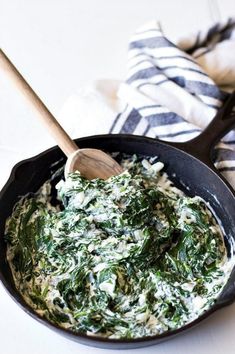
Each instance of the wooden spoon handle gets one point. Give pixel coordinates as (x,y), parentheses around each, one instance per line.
(66,144)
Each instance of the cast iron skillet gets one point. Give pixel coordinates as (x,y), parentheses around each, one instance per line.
(190,167)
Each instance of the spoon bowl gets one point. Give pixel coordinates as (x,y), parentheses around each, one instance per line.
(92,163)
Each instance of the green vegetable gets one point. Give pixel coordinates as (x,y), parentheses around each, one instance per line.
(123,258)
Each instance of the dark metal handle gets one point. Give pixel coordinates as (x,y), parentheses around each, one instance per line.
(202,145)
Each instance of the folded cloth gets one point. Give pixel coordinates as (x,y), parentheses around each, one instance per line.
(171,92)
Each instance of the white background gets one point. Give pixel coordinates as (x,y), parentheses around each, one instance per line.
(59,45)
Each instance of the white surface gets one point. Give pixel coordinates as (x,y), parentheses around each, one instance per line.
(59,45)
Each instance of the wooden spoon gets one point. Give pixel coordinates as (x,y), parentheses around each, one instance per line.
(91,163)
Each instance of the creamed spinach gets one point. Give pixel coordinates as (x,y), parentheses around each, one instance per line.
(128,257)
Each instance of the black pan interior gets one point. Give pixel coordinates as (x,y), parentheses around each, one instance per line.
(188,173)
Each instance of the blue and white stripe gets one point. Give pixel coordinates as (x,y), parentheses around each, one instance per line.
(168,95)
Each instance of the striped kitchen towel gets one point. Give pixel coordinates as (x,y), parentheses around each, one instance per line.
(171,91)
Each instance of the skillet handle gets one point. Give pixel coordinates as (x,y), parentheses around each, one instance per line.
(222,123)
